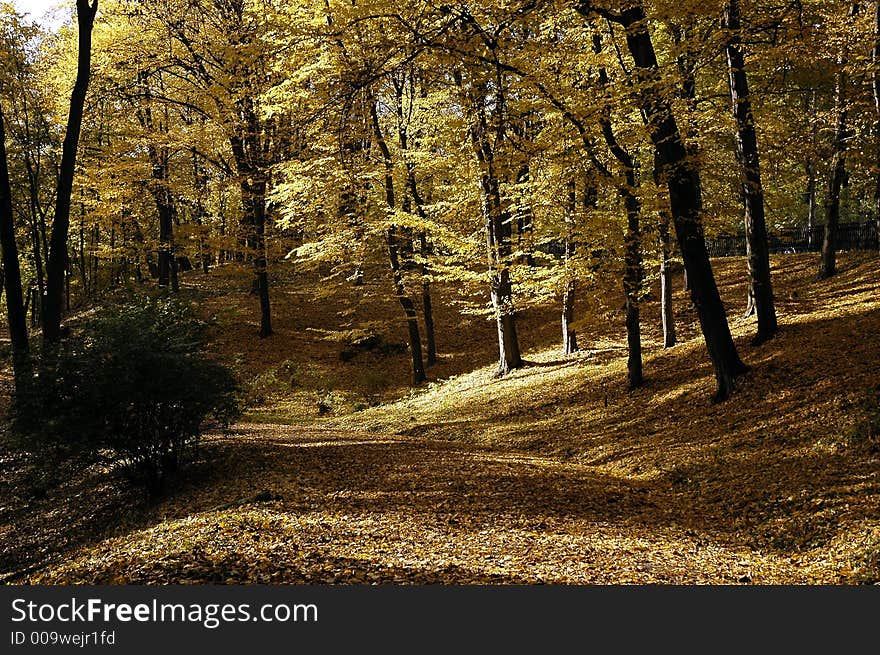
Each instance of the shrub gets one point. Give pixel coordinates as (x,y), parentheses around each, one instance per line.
(135,386)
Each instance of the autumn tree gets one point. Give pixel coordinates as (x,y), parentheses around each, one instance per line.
(840,142)
(748,156)
(683,180)
(58,259)
(11,271)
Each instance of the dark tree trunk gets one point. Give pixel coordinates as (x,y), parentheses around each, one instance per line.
(668,319)
(84,274)
(201,183)
(93,264)
(828,261)
(424,247)
(38,260)
(166,209)
(167,268)
(686,203)
(875,84)
(30,299)
(810,169)
(409,310)
(254,197)
(159,186)
(16,314)
(508,340)
(250,148)
(632,284)
(58,257)
(569,336)
(37,222)
(632,276)
(175,286)
(757,250)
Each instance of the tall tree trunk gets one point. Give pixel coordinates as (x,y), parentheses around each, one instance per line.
(509,357)
(686,203)
(669,338)
(254,198)
(82,246)
(632,276)
(200,179)
(632,284)
(501,290)
(15,311)
(424,246)
(159,186)
(875,79)
(36,222)
(249,148)
(810,169)
(757,250)
(93,264)
(38,261)
(427,304)
(166,209)
(58,258)
(569,336)
(498,234)
(828,261)
(409,310)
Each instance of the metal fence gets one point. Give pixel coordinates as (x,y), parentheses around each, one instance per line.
(850,236)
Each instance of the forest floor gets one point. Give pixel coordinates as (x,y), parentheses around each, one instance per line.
(554,474)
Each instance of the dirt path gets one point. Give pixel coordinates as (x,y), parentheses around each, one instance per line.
(289,505)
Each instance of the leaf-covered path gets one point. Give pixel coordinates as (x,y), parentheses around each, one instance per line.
(290,505)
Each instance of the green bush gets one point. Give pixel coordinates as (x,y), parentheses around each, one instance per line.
(135,386)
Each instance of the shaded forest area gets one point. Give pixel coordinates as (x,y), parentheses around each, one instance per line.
(406,292)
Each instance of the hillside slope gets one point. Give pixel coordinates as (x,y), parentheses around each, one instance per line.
(556,473)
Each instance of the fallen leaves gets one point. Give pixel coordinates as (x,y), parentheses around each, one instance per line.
(555,474)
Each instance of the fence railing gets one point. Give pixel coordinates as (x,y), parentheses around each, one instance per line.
(850,236)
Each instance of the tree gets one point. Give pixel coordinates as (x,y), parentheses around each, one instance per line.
(391,238)
(828,260)
(487,133)
(11,271)
(875,87)
(748,156)
(685,194)
(633,274)
(569,336)
(58,260)
(224,52)
(11,56)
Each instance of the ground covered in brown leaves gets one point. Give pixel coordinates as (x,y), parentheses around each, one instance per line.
(555,474)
